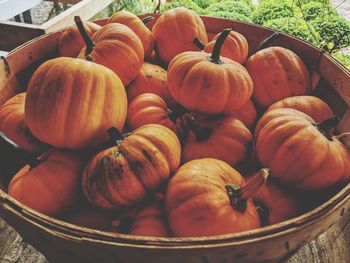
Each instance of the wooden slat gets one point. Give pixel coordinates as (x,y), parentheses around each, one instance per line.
(85,9)
(14,34)
(10,8)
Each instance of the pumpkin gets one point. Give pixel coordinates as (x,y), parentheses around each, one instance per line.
(152,79)
(70,103)
(277,73)
(71,42)
(311,105)
(275,203)
(247,114)
(115,46)
(138,26)
(50,185)
(235,47)
(209,84)
(123,175)
(299,152)
(149,108)
(150,221)
(225,139)
(208,197)
(13,125)
(174,32)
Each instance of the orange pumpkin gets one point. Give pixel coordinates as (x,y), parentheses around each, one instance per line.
(152,79)
(274,203)
(175,31)
(123,175)
(13,125)
(277,73)
(247,114)
(70,103)
(208,197)
(235,47)
(226,139)
(207,83)
(50,187)
(312,106)
(138,26)
(115,46)
(71,42)
(299,152)
(150,221)
(149,108)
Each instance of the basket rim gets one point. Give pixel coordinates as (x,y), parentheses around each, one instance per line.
(67,229)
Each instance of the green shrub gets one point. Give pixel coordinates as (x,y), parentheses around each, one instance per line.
(343,58)
(205,3)
(304,2)
(296,27)
(331,28)
(312,10)
(272,9)
(182,3)
(231,9)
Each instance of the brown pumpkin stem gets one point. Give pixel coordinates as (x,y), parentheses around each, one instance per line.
(198,43)
(215,56)
(157,9)
(201,133)
(325,126)
(239,195)
(177,112)
(115,136)
(87,39)
(265,43)
(147,19)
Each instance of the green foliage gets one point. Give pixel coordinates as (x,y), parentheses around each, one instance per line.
(205,3)
(296,27)
(343,58)
(331,28)
(272,9)
(312,10)
(182,3)
(304,2)
(231,9)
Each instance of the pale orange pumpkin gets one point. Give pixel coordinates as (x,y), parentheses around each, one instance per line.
(70,103)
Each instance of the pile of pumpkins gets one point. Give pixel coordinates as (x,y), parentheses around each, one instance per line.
(148,128)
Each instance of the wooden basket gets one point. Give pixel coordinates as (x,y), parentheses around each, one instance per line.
(63,242)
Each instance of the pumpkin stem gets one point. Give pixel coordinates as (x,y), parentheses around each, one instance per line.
(263,212)
(198,43)
(178,111)
(115,136)
(147,19)
(201,133)
(325,126)
(239,195)
(87,39)
(215,56)
(265,43)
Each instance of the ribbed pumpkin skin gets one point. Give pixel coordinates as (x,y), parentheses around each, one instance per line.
(310,105)
(71,42)
(202,86)
(117,47)
(52,187)
(129,19)
(150,221)
(152,79)
(297,153)
(123,175)
(71,103)
(175,31)
(197,203)
(229,141)
(277,73)
(235,47)
(247,114)
(13,125)
(148,108)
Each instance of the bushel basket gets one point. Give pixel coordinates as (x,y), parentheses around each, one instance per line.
(63,242)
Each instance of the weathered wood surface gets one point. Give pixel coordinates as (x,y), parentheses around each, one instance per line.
(330,247)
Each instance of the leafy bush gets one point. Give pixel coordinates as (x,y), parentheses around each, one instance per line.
(231,9)
(296,27)
(182,3)
(331,28)
(272,9)
(205,3)
(304,2)
(343,58)
(312,10)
